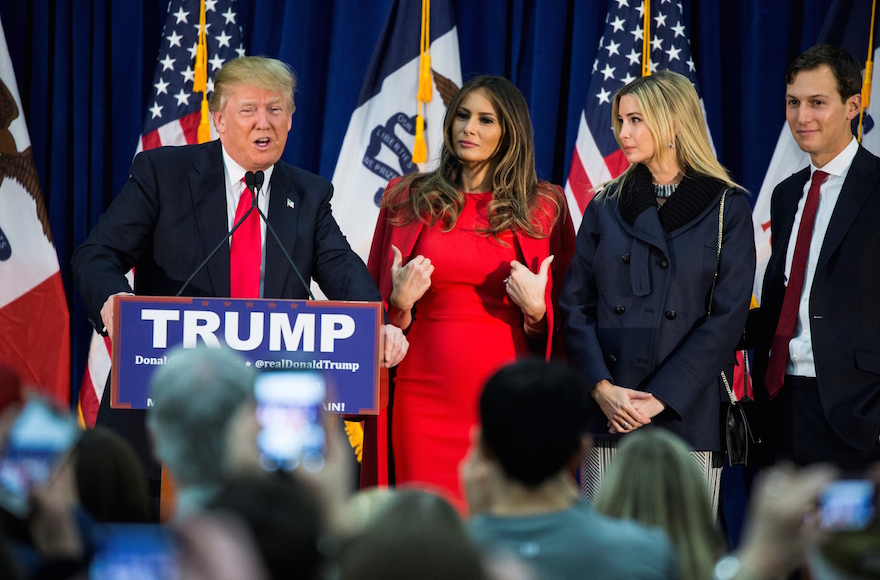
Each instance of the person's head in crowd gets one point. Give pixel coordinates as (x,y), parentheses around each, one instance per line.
(782,523)
(196,398)
(670,131)
(284,517)
(219,546)
(532,415)
(654,480)
(110,478)
(416,535)
(365,505)
(253,110)
(823,95)
(487,124)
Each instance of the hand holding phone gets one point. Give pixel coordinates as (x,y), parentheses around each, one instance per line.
(290,406)
(848,505)
(39,440)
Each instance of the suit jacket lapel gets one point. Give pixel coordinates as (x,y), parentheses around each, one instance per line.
(284,220)
(783,209)
(207,185)
(859,184)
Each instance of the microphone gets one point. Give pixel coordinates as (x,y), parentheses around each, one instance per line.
(254,182)
(225,239)
(258,178)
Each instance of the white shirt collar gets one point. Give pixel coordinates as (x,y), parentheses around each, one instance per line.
(235,172)
(841,163)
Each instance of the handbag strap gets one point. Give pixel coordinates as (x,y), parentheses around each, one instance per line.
(715,279)
(718,251)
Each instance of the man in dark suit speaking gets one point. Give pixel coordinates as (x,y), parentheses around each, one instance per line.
(180,202)
(820,341)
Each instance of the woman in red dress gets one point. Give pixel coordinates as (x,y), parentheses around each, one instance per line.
(469,259)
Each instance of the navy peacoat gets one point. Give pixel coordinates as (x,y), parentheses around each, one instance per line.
(634,304)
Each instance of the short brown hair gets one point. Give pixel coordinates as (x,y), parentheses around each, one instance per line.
(254,71)
(846,70)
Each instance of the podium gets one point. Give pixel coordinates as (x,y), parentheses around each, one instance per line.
(340,339)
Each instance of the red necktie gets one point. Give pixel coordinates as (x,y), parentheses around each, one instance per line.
(245,251)
(789,314)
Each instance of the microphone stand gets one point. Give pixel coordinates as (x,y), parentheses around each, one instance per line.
(257,184)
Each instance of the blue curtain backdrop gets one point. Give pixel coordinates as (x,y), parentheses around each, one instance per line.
(84,69)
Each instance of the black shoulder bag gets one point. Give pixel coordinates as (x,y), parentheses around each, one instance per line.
(737,431)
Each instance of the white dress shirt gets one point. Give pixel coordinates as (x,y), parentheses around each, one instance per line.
(235,186)
(800,349)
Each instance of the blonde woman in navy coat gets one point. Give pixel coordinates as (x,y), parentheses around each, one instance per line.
(636,294)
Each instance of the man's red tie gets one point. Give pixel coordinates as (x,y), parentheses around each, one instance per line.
(790,303)
(245,251)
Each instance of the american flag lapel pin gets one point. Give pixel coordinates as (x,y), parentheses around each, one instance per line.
(290,203)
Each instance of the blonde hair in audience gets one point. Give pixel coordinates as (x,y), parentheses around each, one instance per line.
(654,480)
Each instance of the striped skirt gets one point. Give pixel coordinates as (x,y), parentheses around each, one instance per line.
(598,458)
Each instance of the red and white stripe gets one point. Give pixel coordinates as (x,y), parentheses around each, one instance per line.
(588,170)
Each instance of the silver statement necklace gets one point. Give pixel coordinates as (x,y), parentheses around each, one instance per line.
(664,191)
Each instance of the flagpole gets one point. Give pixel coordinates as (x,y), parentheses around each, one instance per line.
(869,71)
(646,40)
(420,149)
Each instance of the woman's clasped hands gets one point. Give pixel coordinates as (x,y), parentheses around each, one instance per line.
(626,409)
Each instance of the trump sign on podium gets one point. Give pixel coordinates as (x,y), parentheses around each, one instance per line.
(339,339)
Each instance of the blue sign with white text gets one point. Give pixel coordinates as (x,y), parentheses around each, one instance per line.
(340,339)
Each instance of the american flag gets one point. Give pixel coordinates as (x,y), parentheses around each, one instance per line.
(172,118)
(597,157)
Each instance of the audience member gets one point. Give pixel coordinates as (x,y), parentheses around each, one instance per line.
(55,540)
(417,535)
(197,397)
(533,426)
(110,478)
(655,481)
(365,505)
(284,518)
(782,524)
(217,546)
(851,555)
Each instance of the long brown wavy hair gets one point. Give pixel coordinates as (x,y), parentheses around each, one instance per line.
(516,191)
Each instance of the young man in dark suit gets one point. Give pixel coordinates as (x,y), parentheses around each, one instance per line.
(180,202)
(819,351)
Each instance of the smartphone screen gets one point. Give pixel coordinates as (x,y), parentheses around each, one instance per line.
(39,439)
(848,505)
(290,413)
(143,551)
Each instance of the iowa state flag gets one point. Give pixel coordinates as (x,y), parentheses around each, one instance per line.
(34,321)
(847,25)
(379,141)
(597,158)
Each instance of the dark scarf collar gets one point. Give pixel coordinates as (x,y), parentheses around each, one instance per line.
(693,195)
